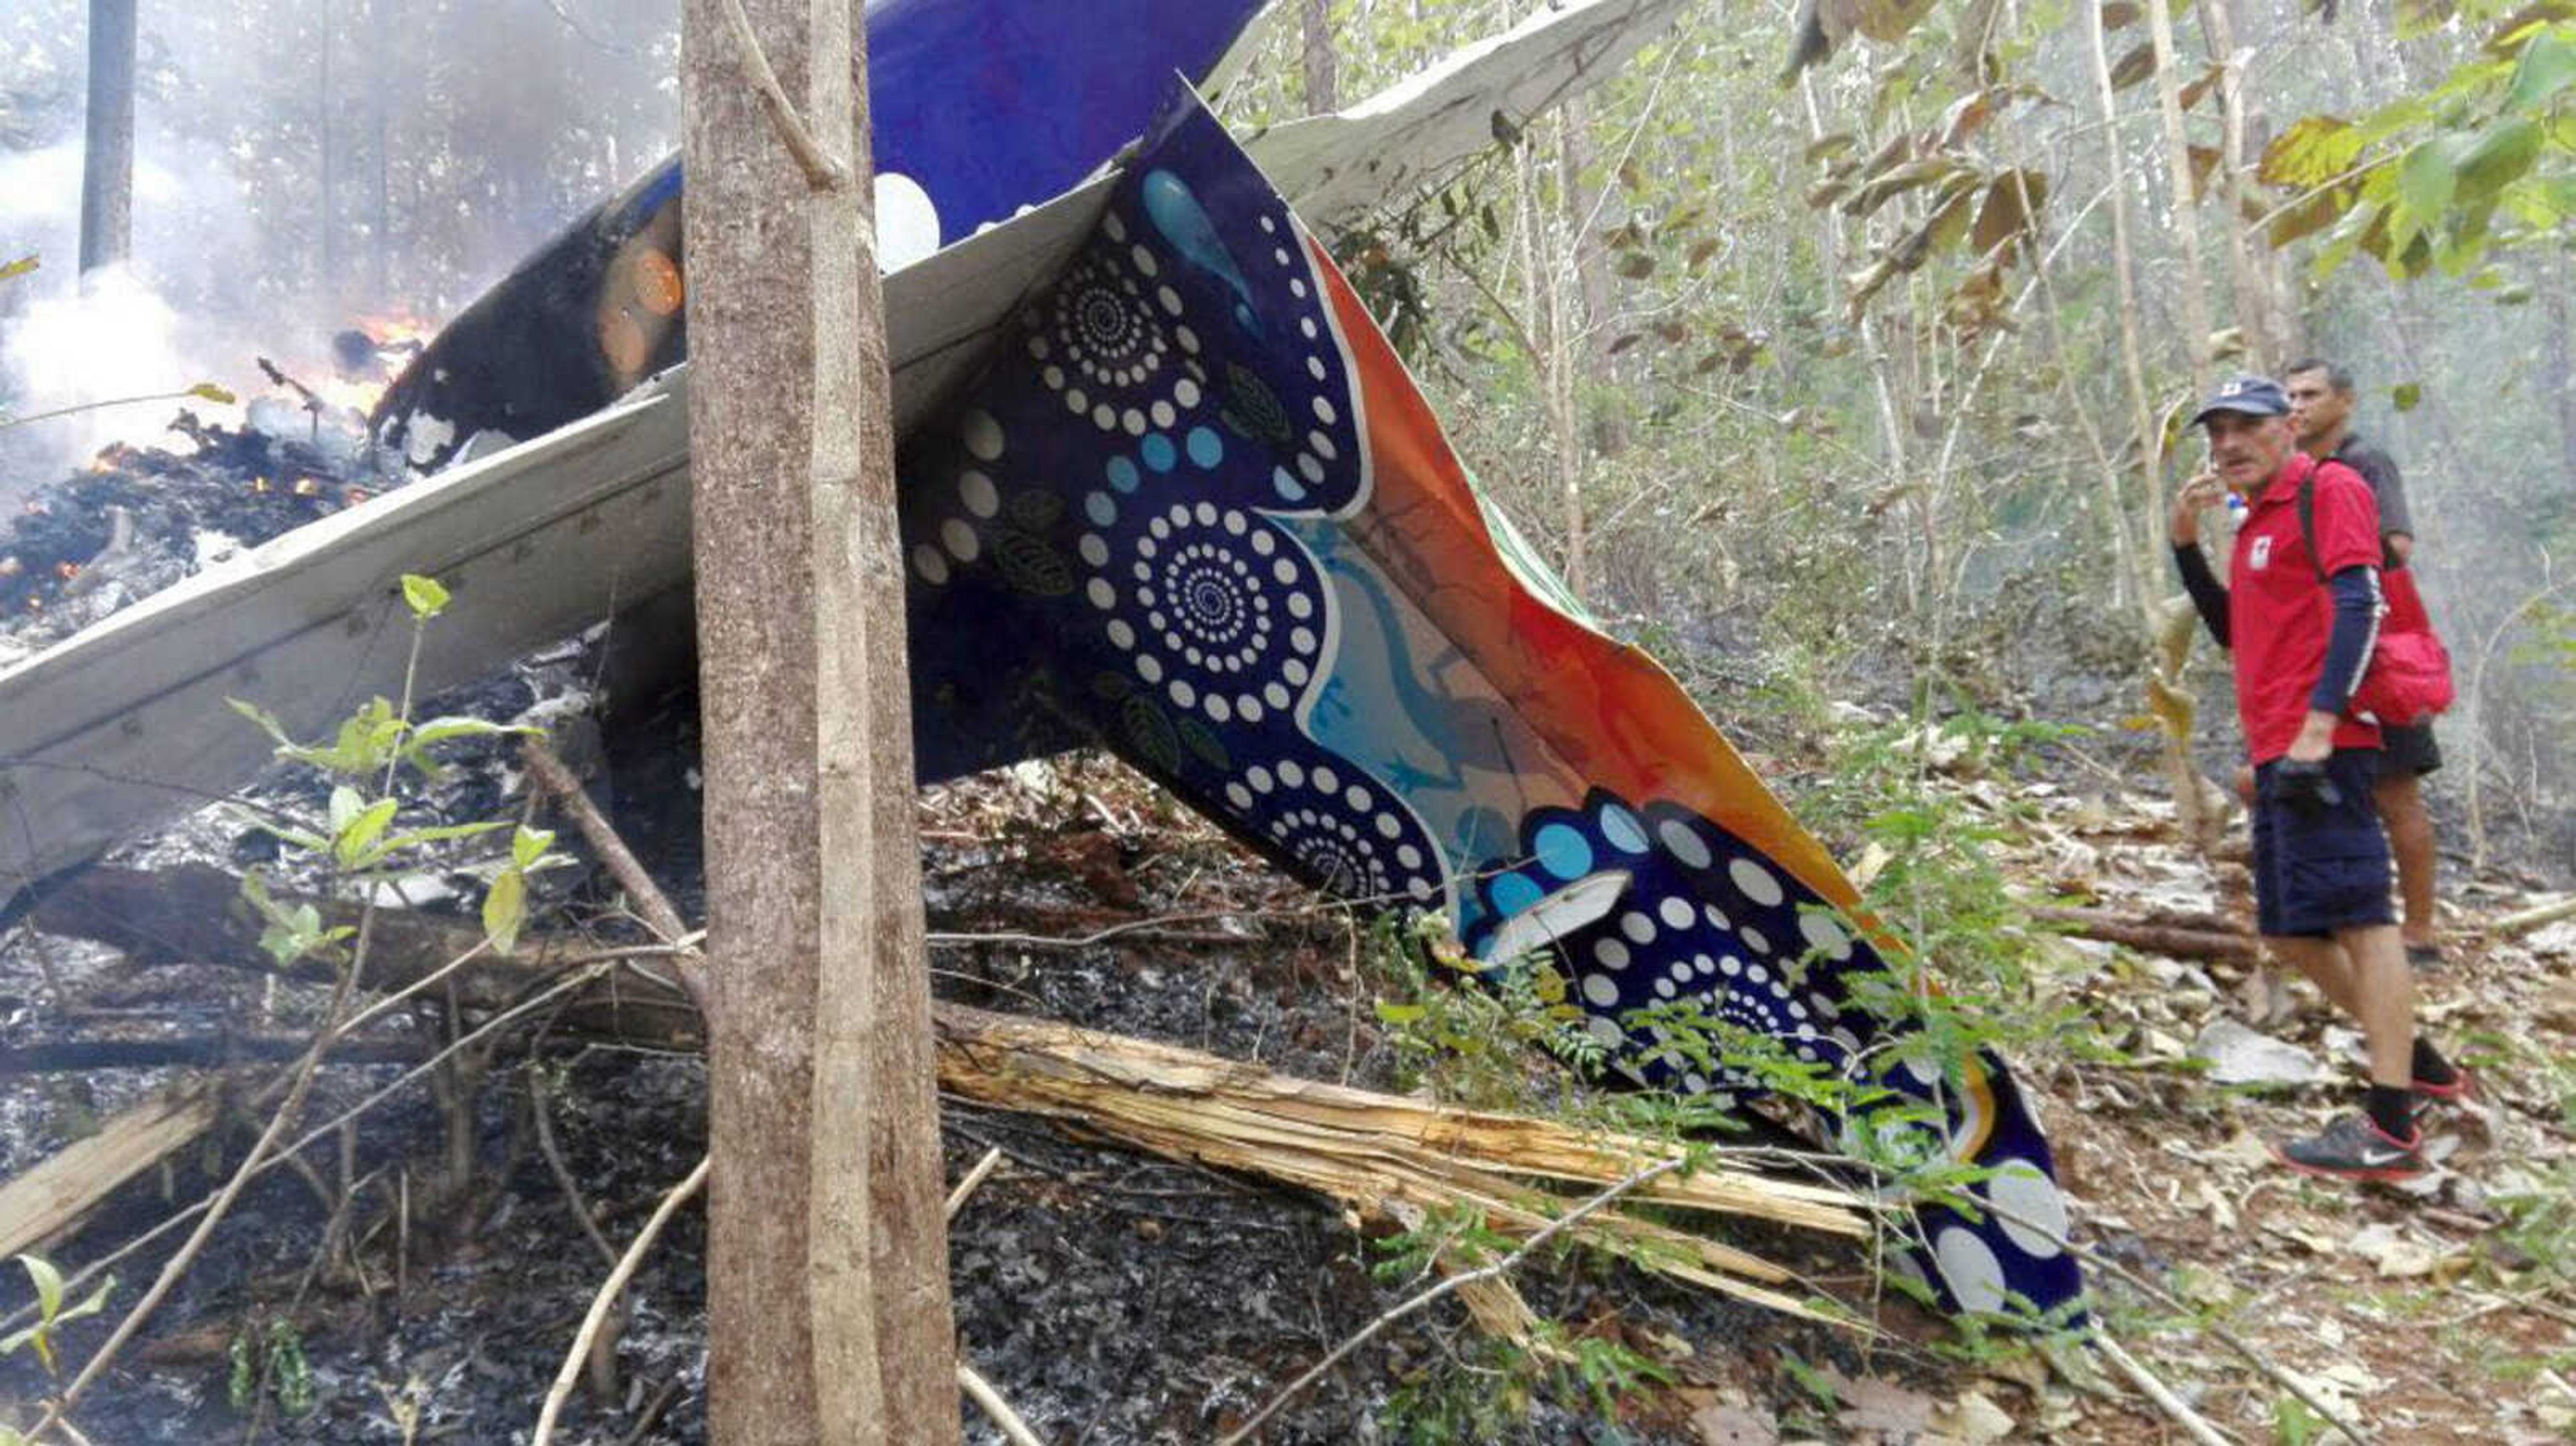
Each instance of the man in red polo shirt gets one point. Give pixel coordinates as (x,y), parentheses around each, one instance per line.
(2301,625)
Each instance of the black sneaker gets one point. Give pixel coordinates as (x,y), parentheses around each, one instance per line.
(2425,958)
(2352,1148)
(2461,1093)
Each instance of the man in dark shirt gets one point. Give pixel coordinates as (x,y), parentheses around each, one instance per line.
(2299,615)
(2321,398)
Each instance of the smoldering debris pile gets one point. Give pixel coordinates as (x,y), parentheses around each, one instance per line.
(142,518)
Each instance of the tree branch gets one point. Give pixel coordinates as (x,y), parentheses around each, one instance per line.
(822,173)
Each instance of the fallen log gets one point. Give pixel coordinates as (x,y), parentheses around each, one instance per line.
(1386,1157)
(2153,938)
(51,1197)
(2525,920)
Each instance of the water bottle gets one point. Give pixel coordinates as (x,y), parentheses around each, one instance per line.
(2235,511)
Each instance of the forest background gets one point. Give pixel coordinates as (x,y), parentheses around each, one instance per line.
(1839,355)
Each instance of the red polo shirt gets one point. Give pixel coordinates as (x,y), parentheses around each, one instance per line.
(2279,614)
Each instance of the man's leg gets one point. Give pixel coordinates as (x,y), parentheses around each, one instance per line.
(2327,863)
(2384,1001)
(2400,796)
(2323,962)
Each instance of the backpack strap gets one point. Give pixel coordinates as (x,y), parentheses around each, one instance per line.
(2308,515)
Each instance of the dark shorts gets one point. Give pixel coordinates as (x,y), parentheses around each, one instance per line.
(2318,872)
(2409,751)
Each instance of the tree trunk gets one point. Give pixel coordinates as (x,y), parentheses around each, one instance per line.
(2195,292)
(1323,65)
(2551,282)
(2257,310)
(380,220)
(1591,271)
(107,152)
(827,1265)
(2164,689)
(332,290)
(1552,364)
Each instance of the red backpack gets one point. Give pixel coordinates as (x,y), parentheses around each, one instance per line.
(2409,677)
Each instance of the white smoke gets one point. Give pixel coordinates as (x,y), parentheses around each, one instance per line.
(68,341)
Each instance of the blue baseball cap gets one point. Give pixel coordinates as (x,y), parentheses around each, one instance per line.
(2250,396)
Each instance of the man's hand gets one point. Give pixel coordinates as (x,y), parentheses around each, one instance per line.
(2203,491)
(2315,742)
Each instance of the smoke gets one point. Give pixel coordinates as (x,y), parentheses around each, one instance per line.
(73,342)
(302,167)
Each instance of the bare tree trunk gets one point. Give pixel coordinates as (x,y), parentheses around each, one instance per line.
(1892,420)
(2266,339)
(2551,282)
(380,221)
(2195,289)
(2163,688)
(1591,273)
(107,149)
(1323,65)
(332,290)
(827,1263)
(1552,363)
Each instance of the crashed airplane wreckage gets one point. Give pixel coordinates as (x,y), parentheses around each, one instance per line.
(1152,436)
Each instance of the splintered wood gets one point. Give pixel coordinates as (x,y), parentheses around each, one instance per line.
(1378,1152)
(1387,1158)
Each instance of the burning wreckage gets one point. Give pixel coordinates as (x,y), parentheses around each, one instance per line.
(1148,429)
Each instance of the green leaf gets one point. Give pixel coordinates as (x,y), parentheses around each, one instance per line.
(438,833)
(346,804)
(210,392)
(19,267)
(96,1302)
(49,1286)
(529,845)
(2500,156)
(424,596)
(36,1334)
(2428,176)
(505,908)
(2405,395)
(355,839)
(2548,66)
(265,719)
(439,730)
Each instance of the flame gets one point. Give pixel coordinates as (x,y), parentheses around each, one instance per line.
(306,487)
(259,484)
(357,396)
(394,328)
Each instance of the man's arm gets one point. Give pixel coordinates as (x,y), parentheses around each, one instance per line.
(2208,594)
(2355,591)
(2388,487)
(2345,543)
